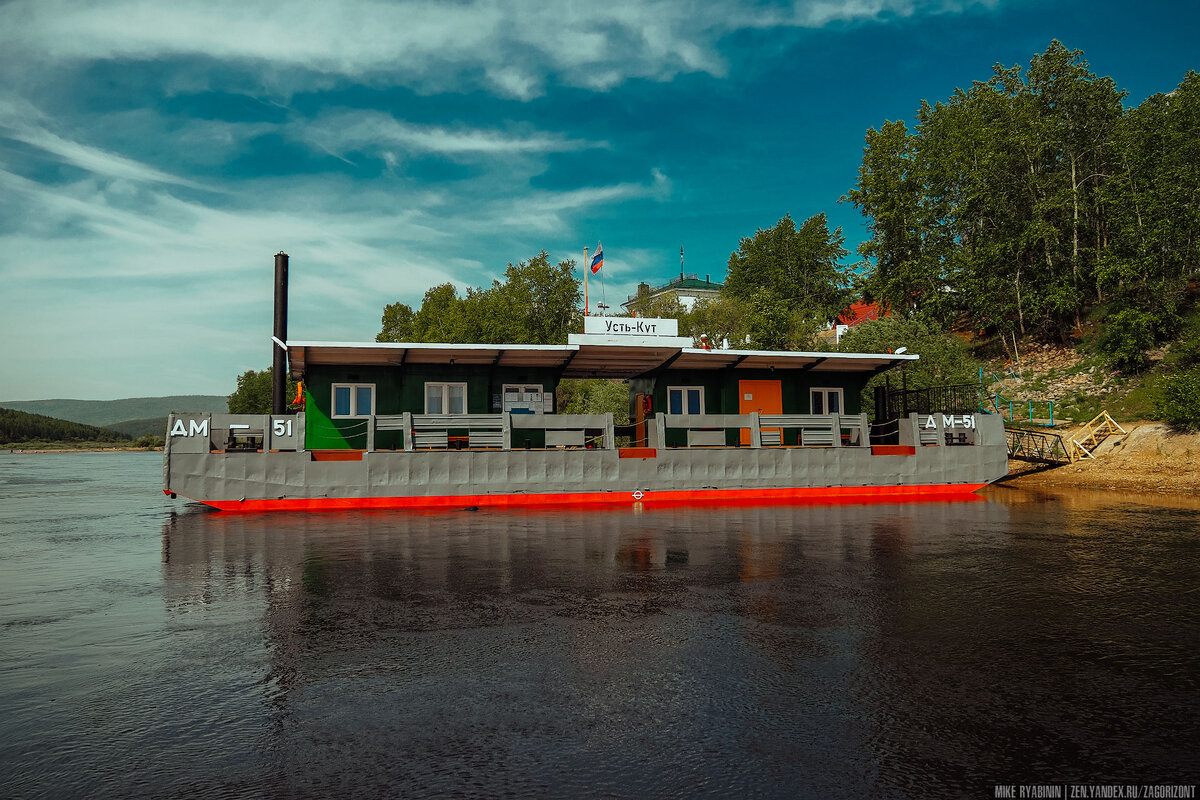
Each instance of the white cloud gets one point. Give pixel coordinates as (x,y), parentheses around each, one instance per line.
(546,211)
(132,266)
(13,125)
(509,47)
(339,132)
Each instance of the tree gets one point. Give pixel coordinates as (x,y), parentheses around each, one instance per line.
(797,268)
(1028,197)
(253,392)
(594,396)
(399,324)
(944,359)
(537,303)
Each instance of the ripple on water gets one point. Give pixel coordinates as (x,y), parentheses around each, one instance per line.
(879,650)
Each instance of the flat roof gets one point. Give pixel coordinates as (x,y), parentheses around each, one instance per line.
(580,360)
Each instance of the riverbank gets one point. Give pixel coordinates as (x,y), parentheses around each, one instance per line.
(1149,457)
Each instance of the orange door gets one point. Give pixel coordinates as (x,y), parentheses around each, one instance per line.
(765,397)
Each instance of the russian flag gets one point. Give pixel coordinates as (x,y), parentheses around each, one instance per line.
(598,259)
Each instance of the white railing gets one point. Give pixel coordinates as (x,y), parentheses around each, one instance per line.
(766,430)
(510,431)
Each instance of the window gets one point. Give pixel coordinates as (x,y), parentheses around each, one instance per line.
(522,397)
(685,400)
(826,401)
(445,398)
(353,399)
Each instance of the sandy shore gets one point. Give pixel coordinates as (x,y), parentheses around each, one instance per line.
(1150,457)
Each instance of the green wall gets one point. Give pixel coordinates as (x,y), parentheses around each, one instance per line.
(398,390)
(721,393)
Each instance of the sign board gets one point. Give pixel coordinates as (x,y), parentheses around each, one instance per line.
(630,326)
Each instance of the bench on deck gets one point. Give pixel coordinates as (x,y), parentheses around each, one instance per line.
(432,431)
(816,430)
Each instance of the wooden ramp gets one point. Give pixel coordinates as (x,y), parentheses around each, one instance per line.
(1095,432)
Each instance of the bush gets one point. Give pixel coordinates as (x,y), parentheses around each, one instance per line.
(1128,335)
(944,359)
(1179,404)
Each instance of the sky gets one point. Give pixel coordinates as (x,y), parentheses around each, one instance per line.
(155,156)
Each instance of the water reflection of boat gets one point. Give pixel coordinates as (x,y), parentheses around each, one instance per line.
(507,552)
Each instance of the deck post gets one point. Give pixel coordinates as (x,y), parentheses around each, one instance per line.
(940,420)
(610,434)
(755,431)
(406,430)
(660,431)
(835,430)
(506,431)
(370,433)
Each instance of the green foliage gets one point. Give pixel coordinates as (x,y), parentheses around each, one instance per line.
(1179,404)
(719,318)
(149,441)
(1128,334)
(537,303)
(253,392)
(1025,199)
(944,360)
(594,396)
(785,272)
(19,426)
(1185,351)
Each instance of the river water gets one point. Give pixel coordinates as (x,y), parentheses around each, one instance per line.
(150,648)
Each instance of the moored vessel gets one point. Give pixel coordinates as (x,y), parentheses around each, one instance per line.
(442,425)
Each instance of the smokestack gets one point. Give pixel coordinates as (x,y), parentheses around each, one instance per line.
(278,354)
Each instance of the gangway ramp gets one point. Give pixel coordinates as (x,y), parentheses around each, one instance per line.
(1037,447)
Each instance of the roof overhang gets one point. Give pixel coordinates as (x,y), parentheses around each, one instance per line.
(580,360)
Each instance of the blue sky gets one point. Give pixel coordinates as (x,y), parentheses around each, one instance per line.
(154,156)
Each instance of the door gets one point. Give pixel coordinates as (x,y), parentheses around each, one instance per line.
(765,397)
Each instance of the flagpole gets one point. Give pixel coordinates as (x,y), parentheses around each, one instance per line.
(586,270)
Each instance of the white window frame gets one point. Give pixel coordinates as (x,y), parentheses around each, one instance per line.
(826,391)
(683,399)
(445,395)
(523,388)
(355,411)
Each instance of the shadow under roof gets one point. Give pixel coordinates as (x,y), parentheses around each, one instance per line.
(579,360)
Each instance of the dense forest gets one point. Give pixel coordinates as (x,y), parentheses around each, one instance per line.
(1023,202)
(1019,207)
(19,426)
(1033,205)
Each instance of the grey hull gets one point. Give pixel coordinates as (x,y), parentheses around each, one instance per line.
(235,477)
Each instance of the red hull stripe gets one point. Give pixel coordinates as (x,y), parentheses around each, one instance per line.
(703,496)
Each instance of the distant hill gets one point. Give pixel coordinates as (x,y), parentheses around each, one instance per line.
(114,412)
(154,426)
(19,426)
